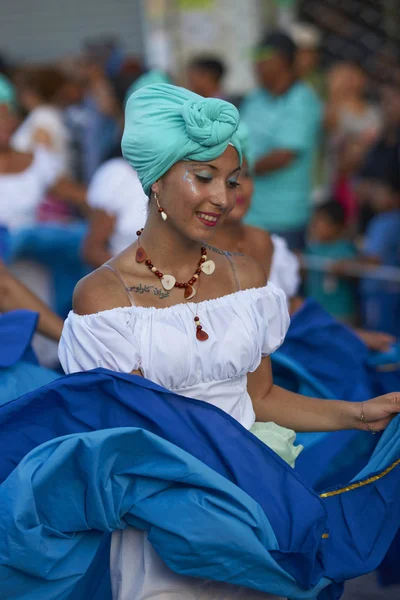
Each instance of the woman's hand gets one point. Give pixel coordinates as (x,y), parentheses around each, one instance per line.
(376,414)
(375,340)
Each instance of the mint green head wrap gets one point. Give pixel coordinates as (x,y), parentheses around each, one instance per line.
(7,93)
(165,124)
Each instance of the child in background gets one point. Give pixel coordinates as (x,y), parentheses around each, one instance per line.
(327,241)
(381,299)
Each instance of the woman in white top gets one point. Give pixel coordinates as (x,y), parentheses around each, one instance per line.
(119,207)
(25,175)
(281,266)
(192,319)
(23,178)
(39,93)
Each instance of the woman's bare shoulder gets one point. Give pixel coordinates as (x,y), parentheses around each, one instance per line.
(249,272)
(100,290)
(260,237)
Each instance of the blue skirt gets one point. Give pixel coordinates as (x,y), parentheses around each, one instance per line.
(99,451)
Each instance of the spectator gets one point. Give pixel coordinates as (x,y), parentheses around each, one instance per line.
(381,299)
(40,92)
(284,117)
(308,41)
(327,241)
(24,176)
(308,57)
(120,69)
(205,76)
(353,124)
(102,126)
(119,209)
(349,112)
(382,158)
(350,154)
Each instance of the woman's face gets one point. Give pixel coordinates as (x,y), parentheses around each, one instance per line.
(243,195)
(346,80)
(198,196)
(8,124)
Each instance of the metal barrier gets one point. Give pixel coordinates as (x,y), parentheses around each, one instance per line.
(381,273)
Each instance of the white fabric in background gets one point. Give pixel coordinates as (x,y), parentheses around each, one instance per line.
(116,189)
(285,268)
(21,193)
(51,120)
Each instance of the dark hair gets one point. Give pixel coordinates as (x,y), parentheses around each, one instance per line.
(333,211)
(211,64)
(279,42)
(47,82)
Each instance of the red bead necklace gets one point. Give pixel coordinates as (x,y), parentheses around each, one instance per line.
(168,281)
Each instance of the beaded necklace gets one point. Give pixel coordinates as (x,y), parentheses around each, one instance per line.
(169,281)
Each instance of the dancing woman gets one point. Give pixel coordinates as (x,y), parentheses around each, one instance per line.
(188,317)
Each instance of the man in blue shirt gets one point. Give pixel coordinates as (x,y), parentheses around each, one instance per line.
(284,119)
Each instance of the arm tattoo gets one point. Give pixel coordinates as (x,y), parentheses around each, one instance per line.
(149,289)
(218,251)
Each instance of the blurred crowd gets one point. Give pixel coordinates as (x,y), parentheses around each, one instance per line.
(323,158)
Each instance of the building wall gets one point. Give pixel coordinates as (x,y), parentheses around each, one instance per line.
(49,29)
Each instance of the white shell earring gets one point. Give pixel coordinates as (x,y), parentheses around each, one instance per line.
(160,208)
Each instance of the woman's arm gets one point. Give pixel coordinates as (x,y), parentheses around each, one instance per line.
(301,413)
(14,295)
(274,161)
(75,194)
(96,245)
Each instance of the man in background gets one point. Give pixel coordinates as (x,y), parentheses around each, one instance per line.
(284,119)
(205,76)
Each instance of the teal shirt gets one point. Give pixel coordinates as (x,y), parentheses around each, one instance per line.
(281,200)
(336,295)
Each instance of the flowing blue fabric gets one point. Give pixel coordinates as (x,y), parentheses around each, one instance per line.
(72,489)
(21,378)
(322,357)
(385,370)
(334,360)
(4,244)
(330,352)
(20,372)
(324,348)
(320,351)
(16,332)
(360,523)
(101,399)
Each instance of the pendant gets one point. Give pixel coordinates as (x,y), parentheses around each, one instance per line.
(201,335)
(141,255)
(208,267)
(190,292)
(168,282)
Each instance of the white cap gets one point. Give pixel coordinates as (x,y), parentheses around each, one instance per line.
(305,36)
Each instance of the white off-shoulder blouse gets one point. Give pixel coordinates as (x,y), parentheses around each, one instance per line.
(242,327)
